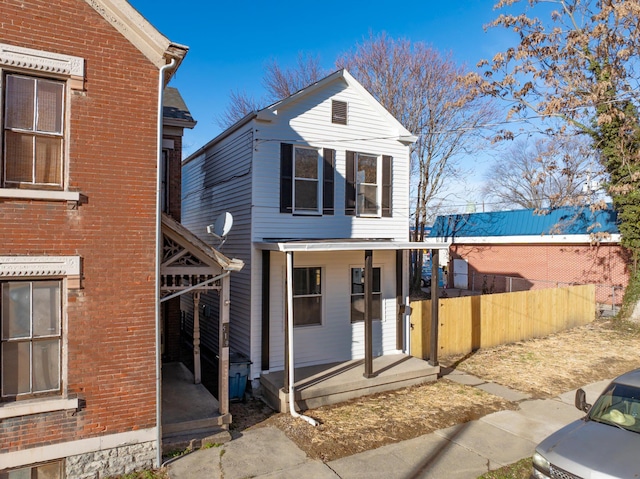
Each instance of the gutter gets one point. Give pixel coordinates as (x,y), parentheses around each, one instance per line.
(162,71)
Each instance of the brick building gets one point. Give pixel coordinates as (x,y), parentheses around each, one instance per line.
(78,238)
(519,250)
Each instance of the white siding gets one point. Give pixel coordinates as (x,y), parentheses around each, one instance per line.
(310,119)
(241,174)
(337,339)
(216,181)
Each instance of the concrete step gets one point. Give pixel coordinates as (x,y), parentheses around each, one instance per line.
(194,439)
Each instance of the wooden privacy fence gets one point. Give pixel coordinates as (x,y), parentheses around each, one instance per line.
(473,322)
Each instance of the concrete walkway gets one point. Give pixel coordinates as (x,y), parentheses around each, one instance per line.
(465,451)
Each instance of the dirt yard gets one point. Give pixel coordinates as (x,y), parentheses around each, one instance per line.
(541,367)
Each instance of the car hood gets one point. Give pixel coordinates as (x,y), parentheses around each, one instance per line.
(593,450)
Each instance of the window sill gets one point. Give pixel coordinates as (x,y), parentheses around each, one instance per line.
(37,406)
(306,213)
(39,194)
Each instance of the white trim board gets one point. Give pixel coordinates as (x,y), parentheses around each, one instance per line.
(528,239)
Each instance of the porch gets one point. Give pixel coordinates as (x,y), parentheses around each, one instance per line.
(189,411)
(327,384)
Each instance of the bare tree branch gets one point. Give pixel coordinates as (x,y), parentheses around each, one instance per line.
(428,93)
(546,174)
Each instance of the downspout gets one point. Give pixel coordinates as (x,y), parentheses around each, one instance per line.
(158,252)
(292,408)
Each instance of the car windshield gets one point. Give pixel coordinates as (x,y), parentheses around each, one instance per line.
(619,406)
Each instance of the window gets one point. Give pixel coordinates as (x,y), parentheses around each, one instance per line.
(33,132)
(367,191)
(339,112)
(306,180)
(164,178)
(31,337)
(307,296)
(52,470)
(368,185)
(357,295)
(306,191)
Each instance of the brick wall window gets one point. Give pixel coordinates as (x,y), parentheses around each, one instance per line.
(52,470)
(30,313)
(33,132)
(35,91)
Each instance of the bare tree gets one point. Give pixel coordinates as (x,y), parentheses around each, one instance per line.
(549,173)
(577,61)
(240,105)
(279,83)
(427,92)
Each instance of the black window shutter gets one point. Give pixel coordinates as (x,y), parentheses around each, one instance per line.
(386,185)
(286,177)
(329,157)
(350,187)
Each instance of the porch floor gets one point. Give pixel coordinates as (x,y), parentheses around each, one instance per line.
(189,410)
(326,384)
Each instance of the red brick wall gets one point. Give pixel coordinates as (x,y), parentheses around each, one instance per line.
(544,265)
(112,160)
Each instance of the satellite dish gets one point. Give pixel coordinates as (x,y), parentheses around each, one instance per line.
(220,229)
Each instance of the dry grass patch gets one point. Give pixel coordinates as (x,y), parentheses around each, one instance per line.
(549,366)
(542,367)
(373,421)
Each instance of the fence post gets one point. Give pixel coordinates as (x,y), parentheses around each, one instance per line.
(435,297)
(613,298)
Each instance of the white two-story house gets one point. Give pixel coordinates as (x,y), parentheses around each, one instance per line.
(318,186)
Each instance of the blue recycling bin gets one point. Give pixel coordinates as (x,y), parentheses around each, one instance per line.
(239,366)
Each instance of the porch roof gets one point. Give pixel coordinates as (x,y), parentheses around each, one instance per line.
(345,244)
(196,247)
(188,263)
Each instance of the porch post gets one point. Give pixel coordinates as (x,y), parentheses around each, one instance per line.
(223,348)
(368,309)
(288,311)
(400,303)
(435,294)
(197,375)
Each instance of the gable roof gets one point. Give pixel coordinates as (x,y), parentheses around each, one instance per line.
(269,113)
(174,109)
(404,135)
(135,28)
(559,221)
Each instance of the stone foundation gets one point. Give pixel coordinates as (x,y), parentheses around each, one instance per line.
(112,462)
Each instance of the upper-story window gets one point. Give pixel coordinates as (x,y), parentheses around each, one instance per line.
(306,180)
(368,185)
(33,124)
(306,185)
(31,347)
(35,96)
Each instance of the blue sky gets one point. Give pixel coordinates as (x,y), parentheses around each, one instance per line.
(230,42)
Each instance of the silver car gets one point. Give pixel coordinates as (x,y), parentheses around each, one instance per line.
(605,444)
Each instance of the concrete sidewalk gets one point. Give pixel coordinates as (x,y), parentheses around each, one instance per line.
(465,451)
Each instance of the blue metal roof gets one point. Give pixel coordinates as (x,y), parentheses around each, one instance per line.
(565,220)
